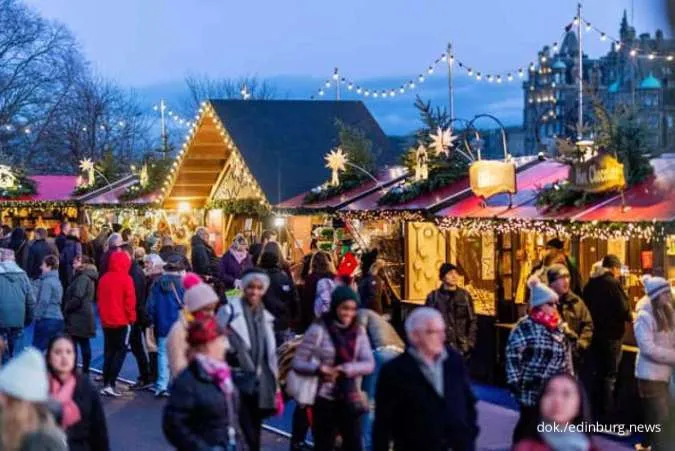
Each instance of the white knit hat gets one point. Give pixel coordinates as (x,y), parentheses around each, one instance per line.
(540,294)
(654,286)
(25,377)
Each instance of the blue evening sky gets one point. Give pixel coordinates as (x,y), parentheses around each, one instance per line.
(151,45)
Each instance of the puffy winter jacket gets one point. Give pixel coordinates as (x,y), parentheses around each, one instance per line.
(141,290)
(48,296)
(78,302)
(18,301)
(608,304)
(575,313)
(461,323)
(656,355)
(204,260)
(165,302)
(116,294)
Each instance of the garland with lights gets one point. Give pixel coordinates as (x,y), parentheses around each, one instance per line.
(647,230)
(248,207)
(14,183)
(156,173)
(384,215)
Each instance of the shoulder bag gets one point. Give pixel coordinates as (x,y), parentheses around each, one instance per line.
(302,387)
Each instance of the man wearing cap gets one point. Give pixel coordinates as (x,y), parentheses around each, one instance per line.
(577,323)
(456,307)
(537,349)
(610,310)
(555,253)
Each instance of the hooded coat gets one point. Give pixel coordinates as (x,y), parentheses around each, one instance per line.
(18,301)
(116,294)
(165,302)
(204,260)
(141,290)
(78,303)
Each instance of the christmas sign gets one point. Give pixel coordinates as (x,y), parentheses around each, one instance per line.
(490,177)
(601,173)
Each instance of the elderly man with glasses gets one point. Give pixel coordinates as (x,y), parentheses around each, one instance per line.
(423,398)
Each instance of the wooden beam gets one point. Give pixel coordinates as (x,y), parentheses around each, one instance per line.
(202,191)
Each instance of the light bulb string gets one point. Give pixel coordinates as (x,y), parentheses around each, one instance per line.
(478,75)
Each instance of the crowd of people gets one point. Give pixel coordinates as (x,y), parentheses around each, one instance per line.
(229,341)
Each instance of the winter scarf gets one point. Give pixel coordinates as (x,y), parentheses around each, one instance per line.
(550,321)
(344,341)
(238,255)
(63,393)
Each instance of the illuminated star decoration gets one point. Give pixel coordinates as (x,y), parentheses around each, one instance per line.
(442,141)
(87,166)
(7,177)
(422,163)
(336,160)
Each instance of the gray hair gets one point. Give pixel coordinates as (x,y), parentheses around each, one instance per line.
(418,318)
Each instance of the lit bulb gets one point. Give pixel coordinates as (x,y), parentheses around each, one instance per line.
(367,93)
(478,76)
(320,92)
(617,46)
(520,73)
(499,78)
(350,86)
(327,84)
(543,59)
(27,131)
(633,52)
(392,93)
(452,59)
(555,46)
(576,21)
(470,72)
(509,77)
(669,58)
(421,78)
(335,75)
(603,37)
(412,85)
(155,107)
(489,78)
(532,67)
(588,26)
(358,90)
(430,70)
(402,90)
(651,56)
(375,94)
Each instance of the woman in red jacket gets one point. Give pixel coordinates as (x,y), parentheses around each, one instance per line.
(117,309)
(563,413)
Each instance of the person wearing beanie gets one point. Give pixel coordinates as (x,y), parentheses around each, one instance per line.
(654,329)
(165,302)
(200,301)
(25,421)
(200,413)
(577,322)
(336,348)
(610,309)
(281,298)
(456,307)
(537,349)
(253,354)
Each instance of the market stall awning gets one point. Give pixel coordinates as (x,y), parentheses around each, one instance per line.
(48,188)
(652,200)
(385,178)
(111,195)
(529,179)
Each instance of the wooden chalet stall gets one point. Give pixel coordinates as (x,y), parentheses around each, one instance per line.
(51,203)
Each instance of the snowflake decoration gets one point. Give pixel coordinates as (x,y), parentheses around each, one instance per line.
(442,141)
(336,160)
(86,165)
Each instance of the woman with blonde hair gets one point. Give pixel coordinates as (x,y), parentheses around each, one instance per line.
(654,328)
(25,420)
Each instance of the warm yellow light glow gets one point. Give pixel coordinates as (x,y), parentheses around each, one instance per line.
(184,207)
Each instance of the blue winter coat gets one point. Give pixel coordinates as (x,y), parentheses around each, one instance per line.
(163,305)
(18,302)
(48,295)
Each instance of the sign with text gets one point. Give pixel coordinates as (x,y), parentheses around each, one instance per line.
(490,177)
(601,173)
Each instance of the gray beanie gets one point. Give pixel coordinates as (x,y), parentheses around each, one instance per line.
(25,377)
(540,294)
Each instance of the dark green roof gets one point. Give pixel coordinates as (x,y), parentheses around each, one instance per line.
(284,141)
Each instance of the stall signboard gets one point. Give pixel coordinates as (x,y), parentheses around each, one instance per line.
(601,173)
(490,177)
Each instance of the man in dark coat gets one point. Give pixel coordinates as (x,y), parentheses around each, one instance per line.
(137,335)
(72,249)
(204,260)
(281,298)
(169,251)
(256,248)
(423,399)
(456,307)
(577,322)
(60,240)
(37,252)
(610,310)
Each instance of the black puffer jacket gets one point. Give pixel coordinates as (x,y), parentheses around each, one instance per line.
(461,323)
(196,416)
(91,433)
(373,293)
(78,303)
(140,287)
(281,298)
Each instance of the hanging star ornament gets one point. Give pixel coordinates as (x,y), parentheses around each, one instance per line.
(442,141)
(336,160)
(87,166)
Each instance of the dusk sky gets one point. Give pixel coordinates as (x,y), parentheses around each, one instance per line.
(151,45)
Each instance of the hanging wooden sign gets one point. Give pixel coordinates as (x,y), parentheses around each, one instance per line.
(490,177)
(601,173)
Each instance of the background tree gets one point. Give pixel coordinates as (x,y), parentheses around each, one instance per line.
(203,87)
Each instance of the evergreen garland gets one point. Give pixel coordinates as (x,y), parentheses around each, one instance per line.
(23,186)
(245,207)
(157,171)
